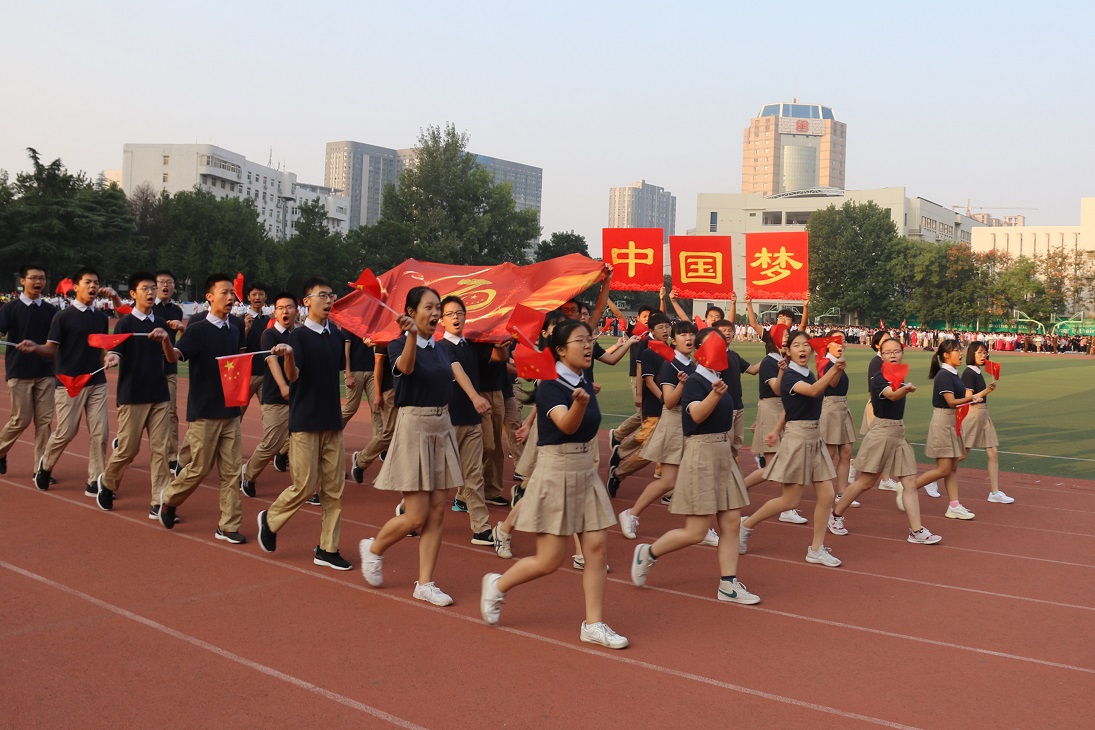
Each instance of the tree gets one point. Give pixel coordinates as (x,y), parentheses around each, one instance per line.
(314,251)
(447,208)
(561,243)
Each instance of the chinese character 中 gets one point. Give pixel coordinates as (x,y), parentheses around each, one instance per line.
(631,256)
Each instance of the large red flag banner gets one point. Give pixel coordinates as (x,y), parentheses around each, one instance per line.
(777,265)
(701,267)
(636,256)
(235,379)
(490,294)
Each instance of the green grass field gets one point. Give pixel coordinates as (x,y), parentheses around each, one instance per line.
(1044,407)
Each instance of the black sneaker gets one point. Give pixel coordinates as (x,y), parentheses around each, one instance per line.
(105,498)
(154,514)
(247,486)
(613,442)
(233,537)
(486,537)
(614,460)
(114,444)
(331,560)
(91,489)
(52,481)
(268,539)
(518,477)
(173,467)
(667,500)
(314,500)
(167,516)
(459,506)
(613,485)
(518,491)
(498,501)
(356,471)
(4,464)
(41,480)
(383,455)
(281,462)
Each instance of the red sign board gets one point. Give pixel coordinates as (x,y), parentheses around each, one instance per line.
(636,256)
(701,267)
(777,265)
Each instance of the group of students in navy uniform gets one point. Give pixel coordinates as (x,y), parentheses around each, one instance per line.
(432,433)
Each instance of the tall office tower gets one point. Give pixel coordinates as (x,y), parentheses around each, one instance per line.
(791,146)
(360,172)
(640,205)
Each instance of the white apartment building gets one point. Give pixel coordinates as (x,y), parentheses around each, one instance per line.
(275,194)
(641,205)
(1031,241)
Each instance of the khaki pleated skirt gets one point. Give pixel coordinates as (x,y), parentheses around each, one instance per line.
(565,496)
(768,412)
(709,480)
(802,458)
(666,444)
(868,418)
(422,456)
(977,429)
(527,463)
(884,450)
(837,427)
(943,440)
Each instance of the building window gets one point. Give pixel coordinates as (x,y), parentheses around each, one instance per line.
(714,221)
(166,159)
(772,217)
(165,177)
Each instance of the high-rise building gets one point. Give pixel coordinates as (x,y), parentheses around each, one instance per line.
(361,171)
(789,147)
(641,205)
(276,194)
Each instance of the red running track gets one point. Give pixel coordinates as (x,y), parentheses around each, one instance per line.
(108,619)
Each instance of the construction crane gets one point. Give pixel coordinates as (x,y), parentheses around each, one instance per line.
(970,208)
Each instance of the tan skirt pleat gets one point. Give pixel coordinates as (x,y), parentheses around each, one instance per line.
(422,456)
(884,450)
(666,444)
(709,480)
(768,412)
(802,458)
(837,427)
(564,495)
(977,429)
(943,440)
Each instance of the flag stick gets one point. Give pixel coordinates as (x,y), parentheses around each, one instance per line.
(242,354)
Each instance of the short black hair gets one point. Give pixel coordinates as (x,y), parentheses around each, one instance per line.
(82,272)
(26,269)
(311,283)
(658,318)
(213,279)
(284,295)
(138,277)
(257,285)
(786,312)
(166,272)
(645,308)
(722,323)
(713,308)
(453,299)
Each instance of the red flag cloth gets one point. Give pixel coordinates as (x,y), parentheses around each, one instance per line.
(525,324)
(821,362)
(777,333)
(608,325)
(271,322)
(662,349)
(960,414)
(237,286)
(821,344)
(123,310)
(639,329)
(994,368)
(777,265)
(64,286)
(533,365)
(236,379)
(636,256)
(712,353)
(74,383)
(700,266)
(880,324)
(107,342)
(700,324)
(489,293)
(895,373)
(903,323)
(368,282)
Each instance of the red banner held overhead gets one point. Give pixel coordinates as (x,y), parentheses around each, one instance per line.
(701,267)
(636,256)
(777,265)
(490,294)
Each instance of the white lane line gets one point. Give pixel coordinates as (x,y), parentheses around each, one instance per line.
(214,649)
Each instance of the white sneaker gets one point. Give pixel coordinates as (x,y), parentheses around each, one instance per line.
(628,524)
(372,566)
(712,539)
(888,485)
(959,513)
(822,557)
(600,633)
(900,492)
(502,542)
(1000,498)
(792,516)
(735,592)
(851,473)
(743,538)
(836,525)
(855,503)
(579,563)
(641,564)
(932,490)
(431,593)
(923,537)
(491,599)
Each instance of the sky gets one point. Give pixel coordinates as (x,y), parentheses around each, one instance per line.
(955,101)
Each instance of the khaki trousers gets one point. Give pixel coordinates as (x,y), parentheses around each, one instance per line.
(90,401)
(133,420)
(31,402)
(493,456)
(630,461)
(173,417)
(254,389)
(315,462)
(212,441)
(275,436)
(513,419)
(633,421)
(382,439)
(469,444)
(363,384)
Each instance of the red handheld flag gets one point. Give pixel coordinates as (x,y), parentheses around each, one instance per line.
(881,324)
(662,349)
(822,362)
(895,373)
(74,383)
(123,310)
(712,353)
(903,323)
(236,379)
(271,322)
(64,286)
(777,332)
(533,365)
(107,342)
(639,329)
(368,283)
(700,323)
(960,414)
(237,286)
(994,368)
(821,344)
(608,325)
(525,324)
